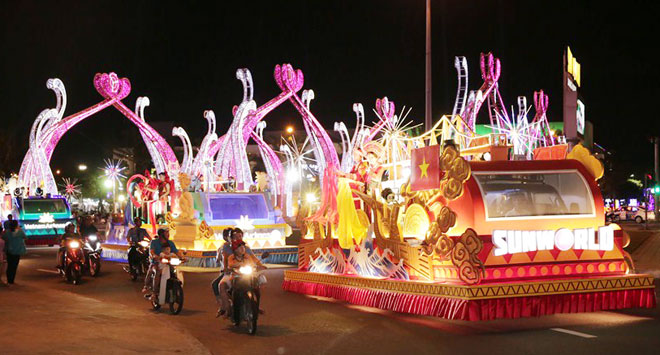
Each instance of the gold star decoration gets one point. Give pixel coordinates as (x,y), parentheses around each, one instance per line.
(424,168)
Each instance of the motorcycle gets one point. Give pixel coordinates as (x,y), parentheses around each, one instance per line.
(92,251)
(138,259)
(74,258)
(171,288)
(246,297)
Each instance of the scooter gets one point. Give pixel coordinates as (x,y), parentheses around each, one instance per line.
(138,259)
(92,250)
(171,288)
(74,258)
(246,296)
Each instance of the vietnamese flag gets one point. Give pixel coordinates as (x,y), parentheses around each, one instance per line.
(425,168)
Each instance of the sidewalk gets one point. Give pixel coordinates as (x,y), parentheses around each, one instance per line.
(38,321)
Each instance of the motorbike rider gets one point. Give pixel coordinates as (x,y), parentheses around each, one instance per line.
(221,260)
(137,233)
(232,234)
(240,257)
(134,236)
(155,249)
(87,227)
(69,234)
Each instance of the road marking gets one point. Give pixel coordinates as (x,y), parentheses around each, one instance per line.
(572,332)
(49,271)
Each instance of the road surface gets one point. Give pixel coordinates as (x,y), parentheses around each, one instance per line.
(107,314)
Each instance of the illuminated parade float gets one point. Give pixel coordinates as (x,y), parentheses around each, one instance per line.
(224,194)
(504,225)
(459,222)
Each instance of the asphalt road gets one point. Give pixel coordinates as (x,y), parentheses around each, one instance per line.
(297,324)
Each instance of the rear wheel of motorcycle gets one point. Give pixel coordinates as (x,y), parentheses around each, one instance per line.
(177,299)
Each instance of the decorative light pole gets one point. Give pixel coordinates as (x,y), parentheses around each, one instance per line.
(428,114)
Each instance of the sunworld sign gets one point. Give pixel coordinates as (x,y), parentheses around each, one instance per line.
(519,241)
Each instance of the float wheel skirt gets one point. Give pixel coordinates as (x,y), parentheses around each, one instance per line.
(480,302)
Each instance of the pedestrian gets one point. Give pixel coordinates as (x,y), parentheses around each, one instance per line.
(10,217)
(3,258)
(15,245)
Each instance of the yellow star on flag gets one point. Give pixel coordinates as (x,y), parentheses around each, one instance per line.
(424,168)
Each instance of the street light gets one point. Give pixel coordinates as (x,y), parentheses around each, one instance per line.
(289,129)
(108,183)
(82,167)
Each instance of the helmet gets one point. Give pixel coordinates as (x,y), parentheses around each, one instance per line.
(162,232)
(226,233)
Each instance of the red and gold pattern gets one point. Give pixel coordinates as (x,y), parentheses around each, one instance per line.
(480,292)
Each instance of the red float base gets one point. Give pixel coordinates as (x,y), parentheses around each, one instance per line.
(411,298)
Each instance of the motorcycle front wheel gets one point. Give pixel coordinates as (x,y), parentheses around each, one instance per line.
(251,313)
(176,305)
(75,275)
(94,267)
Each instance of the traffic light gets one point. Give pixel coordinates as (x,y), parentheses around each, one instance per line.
(656,189)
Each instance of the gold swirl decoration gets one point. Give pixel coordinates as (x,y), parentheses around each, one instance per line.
(170,221)
(462,251)
(437,242)
(465,256)
(456,170)
(204,231)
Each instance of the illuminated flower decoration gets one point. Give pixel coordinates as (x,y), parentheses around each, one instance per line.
(46,218)
(113,170)
(70,187)
(244,223)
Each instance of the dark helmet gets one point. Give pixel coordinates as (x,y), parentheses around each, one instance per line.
(226,233)
(162,232)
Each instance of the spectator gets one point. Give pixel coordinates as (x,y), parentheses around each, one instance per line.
(3,259)
(15,245)
(10,217)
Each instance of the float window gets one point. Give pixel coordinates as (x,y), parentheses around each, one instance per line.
(535,194)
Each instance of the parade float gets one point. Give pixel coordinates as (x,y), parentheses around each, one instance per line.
(504,225)
(204,193)
(448,222)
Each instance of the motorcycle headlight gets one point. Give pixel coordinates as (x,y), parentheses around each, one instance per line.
(144,243)
(164,261)
(92,238)
(175,261)
(245,270)
(74,244)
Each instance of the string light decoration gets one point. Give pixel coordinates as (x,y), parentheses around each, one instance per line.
(71,188)
(113,170)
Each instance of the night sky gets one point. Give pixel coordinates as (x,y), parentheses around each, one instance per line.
(183,55)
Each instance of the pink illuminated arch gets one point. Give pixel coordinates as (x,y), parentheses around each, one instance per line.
(50,126)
